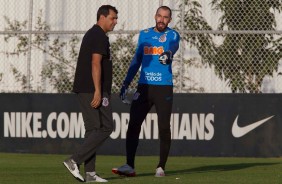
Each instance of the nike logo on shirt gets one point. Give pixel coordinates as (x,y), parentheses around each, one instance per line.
(241,131)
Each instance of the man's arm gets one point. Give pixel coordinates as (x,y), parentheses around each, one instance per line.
(136,61)
(174,43)
(132,70)
(96,76)
(166,57)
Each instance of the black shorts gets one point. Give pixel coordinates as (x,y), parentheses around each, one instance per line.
(148,95)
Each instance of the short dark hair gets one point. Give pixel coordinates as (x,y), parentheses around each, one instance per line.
(105,10)
(165,8)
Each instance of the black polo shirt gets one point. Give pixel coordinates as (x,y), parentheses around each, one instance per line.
(94,41)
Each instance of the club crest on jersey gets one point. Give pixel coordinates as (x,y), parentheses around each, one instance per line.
(153,50)
(162,38)
(105,102)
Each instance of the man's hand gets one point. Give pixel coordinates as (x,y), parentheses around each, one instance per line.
(165,58)
(123,93)
(97,99)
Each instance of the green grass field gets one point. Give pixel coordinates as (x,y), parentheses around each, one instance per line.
(42,168)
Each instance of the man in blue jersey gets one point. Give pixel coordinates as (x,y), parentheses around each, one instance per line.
(154,53)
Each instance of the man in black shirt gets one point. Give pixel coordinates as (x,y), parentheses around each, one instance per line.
(92,84)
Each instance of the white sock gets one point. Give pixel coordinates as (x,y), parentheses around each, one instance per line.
(91,173)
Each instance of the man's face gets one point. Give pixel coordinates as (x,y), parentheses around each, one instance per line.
(110,21)
(162,18)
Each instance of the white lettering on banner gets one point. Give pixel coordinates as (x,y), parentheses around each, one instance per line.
(124,124)
(174,120)
(9,124)
(185,128)
(121,124)
(199,127)
(26,128)
(115,134)
(76,125)
(36,124)
(63,125)
(18,125)
(22,124)
(209,127)
(50,130)
(151,121)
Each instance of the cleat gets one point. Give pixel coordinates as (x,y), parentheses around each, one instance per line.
(124,170)
(73,169)
(159,172)
(93,177)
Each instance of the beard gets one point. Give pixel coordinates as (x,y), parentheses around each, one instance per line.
(160,26)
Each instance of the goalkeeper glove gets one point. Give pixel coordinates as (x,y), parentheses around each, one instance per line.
(165,58)
(123,93)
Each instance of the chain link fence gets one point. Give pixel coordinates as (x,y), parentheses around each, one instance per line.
(227,46)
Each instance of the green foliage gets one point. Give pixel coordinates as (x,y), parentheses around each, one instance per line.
(122,52)
(245,59)
(61,54)
(193,20)
(59,68)
(242,59)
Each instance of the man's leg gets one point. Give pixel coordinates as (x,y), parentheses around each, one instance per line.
(89,164)
(163,103)
(98,124)
(138,112)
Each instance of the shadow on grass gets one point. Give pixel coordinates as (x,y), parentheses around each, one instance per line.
(204,169)
(216,168)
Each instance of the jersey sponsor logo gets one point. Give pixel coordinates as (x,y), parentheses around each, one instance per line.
(162,38)
(152,76)
(153,50)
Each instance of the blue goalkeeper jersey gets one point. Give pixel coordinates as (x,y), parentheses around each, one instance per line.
(150,45)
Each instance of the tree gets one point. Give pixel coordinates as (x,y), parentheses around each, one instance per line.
(245,59)
(59,69)
(193,20)
(122,51)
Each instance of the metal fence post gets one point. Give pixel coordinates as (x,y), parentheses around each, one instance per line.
(181,49)
(28,72)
